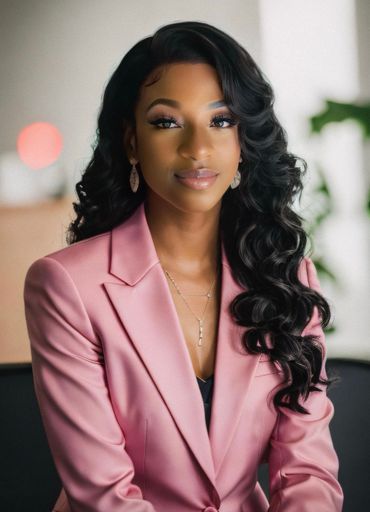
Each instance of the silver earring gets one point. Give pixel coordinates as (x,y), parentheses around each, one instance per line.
(236,180)
(237,177)
(134,178)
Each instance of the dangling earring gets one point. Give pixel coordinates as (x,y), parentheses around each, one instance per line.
(237,177)
(134,178)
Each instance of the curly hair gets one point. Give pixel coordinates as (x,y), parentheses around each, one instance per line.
(263,237)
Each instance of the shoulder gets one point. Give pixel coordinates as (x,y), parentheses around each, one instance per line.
(87,257)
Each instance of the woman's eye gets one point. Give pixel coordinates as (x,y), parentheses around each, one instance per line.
(225,119)
(163,120)
(169,120)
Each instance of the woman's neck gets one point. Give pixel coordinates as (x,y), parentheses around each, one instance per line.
(188,243)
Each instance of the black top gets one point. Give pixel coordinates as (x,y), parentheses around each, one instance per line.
(206,389)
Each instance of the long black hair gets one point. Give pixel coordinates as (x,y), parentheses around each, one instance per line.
(263,237)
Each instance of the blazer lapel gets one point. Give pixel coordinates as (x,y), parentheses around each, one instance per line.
(144,304)
(234,371)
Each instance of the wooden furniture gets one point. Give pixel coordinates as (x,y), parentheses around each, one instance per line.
(26,233)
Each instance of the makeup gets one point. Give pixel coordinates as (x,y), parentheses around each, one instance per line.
(200,178)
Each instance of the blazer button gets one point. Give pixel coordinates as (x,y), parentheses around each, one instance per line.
(210,509)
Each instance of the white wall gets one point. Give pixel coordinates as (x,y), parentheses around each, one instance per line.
(310,52)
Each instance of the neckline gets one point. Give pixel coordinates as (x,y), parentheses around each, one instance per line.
(205,380)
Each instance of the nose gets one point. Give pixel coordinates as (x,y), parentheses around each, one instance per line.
(195,144)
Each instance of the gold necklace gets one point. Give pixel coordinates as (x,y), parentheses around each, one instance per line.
(208,295)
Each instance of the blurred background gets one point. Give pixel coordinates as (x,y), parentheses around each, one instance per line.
(56,58)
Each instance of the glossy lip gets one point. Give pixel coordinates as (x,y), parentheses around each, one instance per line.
(202,172)
(198,183)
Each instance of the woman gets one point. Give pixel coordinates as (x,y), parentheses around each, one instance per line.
(177,342)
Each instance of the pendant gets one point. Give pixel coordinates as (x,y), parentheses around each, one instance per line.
(200,333)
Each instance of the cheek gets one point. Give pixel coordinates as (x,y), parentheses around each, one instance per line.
(227,146)
(227,159)
(155,148)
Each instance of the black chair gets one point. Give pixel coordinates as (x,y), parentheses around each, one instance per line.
(350,430)
(29,481)
(28,478)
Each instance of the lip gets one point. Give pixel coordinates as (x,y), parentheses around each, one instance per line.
(198,183)
(202,172)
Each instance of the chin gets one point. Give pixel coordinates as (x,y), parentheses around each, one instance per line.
(197,205)
(187,201)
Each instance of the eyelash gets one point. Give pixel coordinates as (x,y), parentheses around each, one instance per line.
(170,119)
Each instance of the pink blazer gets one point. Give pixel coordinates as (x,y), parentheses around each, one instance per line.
(121,405)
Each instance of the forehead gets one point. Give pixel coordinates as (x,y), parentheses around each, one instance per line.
(188,83)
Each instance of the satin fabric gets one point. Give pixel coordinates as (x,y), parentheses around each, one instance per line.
(121,405)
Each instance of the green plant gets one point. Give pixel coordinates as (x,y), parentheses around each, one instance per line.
(333,112)
(336,112)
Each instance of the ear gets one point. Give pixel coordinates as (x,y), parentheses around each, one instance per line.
(129,142)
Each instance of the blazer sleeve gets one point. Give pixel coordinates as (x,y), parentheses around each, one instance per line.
(303,465)
(85,438)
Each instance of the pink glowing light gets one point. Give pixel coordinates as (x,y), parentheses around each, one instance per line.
(39,145)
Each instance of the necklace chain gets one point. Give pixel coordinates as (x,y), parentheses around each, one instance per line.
(208,295)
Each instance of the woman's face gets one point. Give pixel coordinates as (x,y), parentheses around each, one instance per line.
(191,132)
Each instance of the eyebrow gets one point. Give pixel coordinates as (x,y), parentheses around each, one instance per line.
(177,104)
